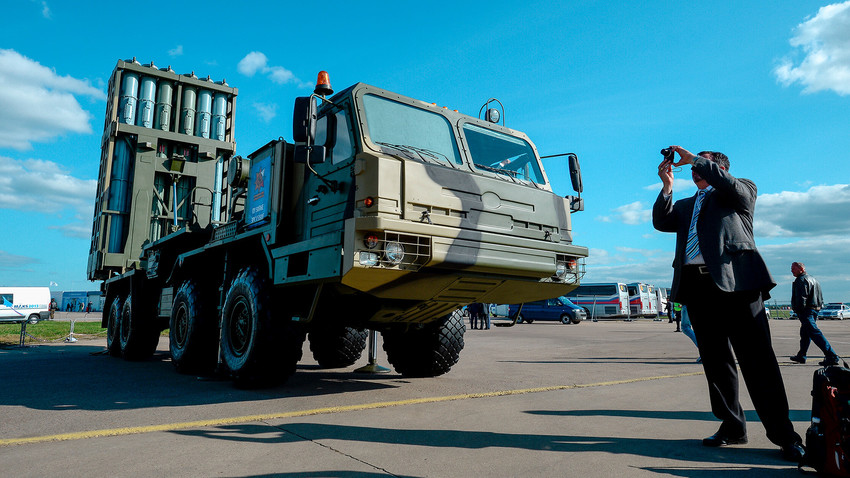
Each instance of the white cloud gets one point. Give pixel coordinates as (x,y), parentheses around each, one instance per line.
(256,61)
(679,185)
(818,211)
(633,214)
(78,230)
(825,42)
(37,103)
(176,51)
(252,63)
(819,254)
(44,186)
(45,10)
(811,226)
(11,261)
(280,75)
(266,111)
(652,266)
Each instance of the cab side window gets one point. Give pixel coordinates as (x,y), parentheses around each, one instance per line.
(334,132)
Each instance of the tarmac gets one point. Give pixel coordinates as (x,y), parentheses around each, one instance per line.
(590,400)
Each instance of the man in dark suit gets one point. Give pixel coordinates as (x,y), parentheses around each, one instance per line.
(723,280)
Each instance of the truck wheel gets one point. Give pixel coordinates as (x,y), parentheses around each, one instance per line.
(337,347)
(138,337)
(257,350)
(33,319)
(192,331)
(426,350)
(113,327)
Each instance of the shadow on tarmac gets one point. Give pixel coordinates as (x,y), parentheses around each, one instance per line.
(750,462)
(329,474)
(81,377)
(751,415)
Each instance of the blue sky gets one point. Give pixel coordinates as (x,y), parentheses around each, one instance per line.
(765,82)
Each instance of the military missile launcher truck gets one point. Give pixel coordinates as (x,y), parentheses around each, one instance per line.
(385,213)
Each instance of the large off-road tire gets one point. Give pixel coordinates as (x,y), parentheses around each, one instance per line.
(426,350)
(257,350)
(192,332)
(337,347)
(113,326)
(138,334)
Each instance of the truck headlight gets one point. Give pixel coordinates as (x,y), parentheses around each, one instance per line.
(394,252)
(561,270)
(369,259)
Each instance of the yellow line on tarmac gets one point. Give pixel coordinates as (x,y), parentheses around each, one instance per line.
(214,422)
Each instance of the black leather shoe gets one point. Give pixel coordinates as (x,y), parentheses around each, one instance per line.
(793,452)
(828,362)
(720,439)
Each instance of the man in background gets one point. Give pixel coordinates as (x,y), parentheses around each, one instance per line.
(806,301)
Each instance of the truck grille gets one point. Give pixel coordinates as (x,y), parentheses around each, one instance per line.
(417,251)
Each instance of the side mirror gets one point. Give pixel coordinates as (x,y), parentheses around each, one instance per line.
(313,154)
(575,173)
(304,118)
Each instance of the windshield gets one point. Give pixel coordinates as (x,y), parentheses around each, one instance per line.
(567,302)
(410,131)
(503,154)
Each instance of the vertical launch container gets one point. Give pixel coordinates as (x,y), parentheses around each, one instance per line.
(155,178)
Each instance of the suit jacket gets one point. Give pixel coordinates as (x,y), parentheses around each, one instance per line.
(724,229)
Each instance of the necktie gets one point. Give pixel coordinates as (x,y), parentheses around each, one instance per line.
(692,246)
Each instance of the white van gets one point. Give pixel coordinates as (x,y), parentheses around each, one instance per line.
(24,304)
(608,300)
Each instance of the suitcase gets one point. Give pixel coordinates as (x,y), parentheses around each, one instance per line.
(828,437)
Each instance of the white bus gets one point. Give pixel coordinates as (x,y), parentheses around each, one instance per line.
(661,298)
(24,304)
(609,300)
(640,302)
(655,307)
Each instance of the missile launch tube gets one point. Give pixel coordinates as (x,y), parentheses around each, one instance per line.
(217,185)
(162,116)
(147,90)
(119,193)
(219,116)
(129,93)
(174,200)
(187,114)
(202,129)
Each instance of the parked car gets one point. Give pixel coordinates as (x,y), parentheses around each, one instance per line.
(834,311)
(560,309)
